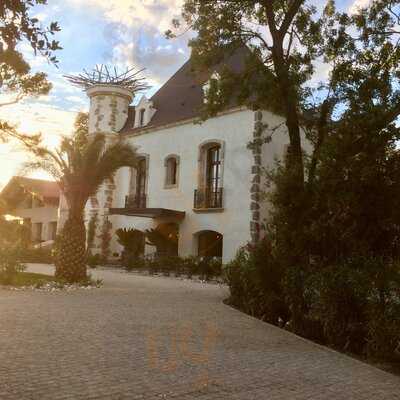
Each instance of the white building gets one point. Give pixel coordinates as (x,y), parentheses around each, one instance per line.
(35,201)
(199,184)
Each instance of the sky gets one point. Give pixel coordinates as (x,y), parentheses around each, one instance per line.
(125,33)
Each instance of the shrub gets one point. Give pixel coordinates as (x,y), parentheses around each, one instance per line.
(300,294)
(255,279)
(383,328)
(168,264)
(190,266)
(10,266)
(132,241)
(94,260)
(35,255)
(209,267)
(353,305)
(383,332)
(133,263)
(340,304)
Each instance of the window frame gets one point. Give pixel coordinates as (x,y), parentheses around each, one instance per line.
(134,190)
(168,184)
(142,113)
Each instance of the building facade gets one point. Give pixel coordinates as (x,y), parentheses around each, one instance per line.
(198,184)
(36,203)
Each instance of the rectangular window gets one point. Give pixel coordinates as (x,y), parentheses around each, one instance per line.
(137,196)
(141,120)
(213,168)
(172,170)
(37,231)
(52,230)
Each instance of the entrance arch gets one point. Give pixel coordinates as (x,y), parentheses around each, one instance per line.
(209,244)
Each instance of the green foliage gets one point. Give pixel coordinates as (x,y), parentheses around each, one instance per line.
(205,268)
(105,238)
(80,169)
(35,255)
(94,260)
(91,233)
(10,266)
(353,306)
(13,233)
(329,268)
(156,238)
(255,280)
(133,242)
(18,25)
(209,268)
(131,263)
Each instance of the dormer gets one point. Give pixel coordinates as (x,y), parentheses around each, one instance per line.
(144,112)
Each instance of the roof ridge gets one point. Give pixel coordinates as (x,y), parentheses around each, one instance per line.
(34,179)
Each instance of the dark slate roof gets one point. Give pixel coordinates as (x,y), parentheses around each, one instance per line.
(181,97)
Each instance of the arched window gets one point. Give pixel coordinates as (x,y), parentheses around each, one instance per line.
(141,178)
(171,171)
(138,185)
(210,187)
(213,172)
(209,244)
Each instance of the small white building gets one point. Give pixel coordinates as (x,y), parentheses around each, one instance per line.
(35,202)
(197,183)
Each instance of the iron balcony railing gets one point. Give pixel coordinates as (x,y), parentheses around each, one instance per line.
(135,201)
(208,198)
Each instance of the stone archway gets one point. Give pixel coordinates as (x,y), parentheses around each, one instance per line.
(209,244)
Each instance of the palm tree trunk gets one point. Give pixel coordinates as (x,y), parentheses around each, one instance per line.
(70,257)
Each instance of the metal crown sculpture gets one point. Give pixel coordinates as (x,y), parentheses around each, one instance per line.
(103,75)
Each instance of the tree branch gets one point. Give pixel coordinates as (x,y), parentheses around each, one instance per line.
(293,10)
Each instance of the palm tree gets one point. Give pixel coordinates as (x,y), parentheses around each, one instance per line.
(80,167)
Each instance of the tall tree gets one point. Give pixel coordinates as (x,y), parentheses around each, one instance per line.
(16,79)
(356,192)
(79,170)
(283,35)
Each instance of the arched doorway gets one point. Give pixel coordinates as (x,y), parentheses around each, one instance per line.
(209,244)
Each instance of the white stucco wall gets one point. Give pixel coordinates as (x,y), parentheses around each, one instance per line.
(44,215)
(234,130)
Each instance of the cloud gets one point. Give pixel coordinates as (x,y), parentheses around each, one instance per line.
(32,117)
(135,30)
(358,5)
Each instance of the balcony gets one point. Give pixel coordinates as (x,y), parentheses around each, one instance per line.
(135,201)
(208,199)
(136,206)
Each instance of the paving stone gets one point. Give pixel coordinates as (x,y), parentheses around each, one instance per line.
(153,338)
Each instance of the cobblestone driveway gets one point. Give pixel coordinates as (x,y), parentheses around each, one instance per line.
(158,338)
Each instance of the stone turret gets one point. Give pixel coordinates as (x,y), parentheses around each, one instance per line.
(108,108)
(107,115)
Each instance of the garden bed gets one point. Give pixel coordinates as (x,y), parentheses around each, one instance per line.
(21,279)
